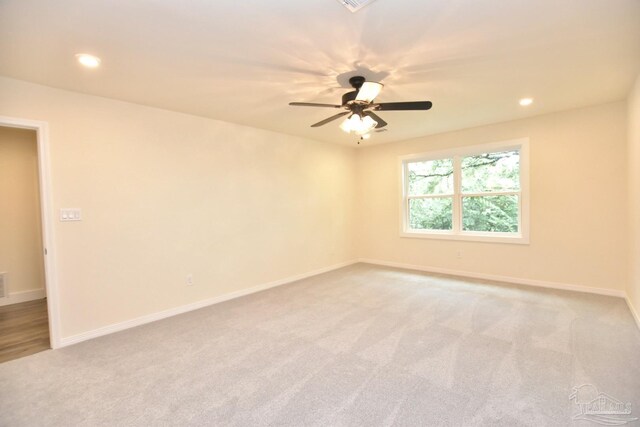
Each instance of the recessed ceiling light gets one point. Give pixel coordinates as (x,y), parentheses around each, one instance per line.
(526,101)
(87,60)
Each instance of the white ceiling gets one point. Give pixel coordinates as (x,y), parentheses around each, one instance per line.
(243,61)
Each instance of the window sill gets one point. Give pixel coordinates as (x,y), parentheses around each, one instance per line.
(517,239)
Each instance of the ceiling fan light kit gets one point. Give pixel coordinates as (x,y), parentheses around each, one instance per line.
(360,107)
(358,125)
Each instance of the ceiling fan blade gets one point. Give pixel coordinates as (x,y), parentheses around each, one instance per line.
(369,91)
(377,118)
(330,119)
(312,104)
(404,106)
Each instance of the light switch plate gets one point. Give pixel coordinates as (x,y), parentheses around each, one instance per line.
(70,214)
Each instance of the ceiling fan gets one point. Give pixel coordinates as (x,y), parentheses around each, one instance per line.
(360,107)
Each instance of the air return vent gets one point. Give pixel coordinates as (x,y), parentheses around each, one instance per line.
(3,285)
(355,5)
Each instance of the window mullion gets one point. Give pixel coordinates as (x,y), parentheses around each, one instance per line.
(431,196)
(492,193)
(457,201)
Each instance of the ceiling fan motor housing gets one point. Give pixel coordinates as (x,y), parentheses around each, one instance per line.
(356,82)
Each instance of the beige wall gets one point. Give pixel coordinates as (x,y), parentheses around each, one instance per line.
(165,194)
(633,134)
(20,229)
(578,202)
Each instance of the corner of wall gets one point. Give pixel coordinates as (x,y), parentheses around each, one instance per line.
(633,187)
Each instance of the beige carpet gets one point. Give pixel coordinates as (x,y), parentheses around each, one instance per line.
(360,346)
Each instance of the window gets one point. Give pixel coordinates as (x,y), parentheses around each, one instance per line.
(473,193)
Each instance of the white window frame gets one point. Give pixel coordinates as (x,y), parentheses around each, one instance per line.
(457,233)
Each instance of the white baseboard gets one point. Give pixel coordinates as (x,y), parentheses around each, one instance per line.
(109,329)
(23,296)
(497,278)
(634,313)
(138,321)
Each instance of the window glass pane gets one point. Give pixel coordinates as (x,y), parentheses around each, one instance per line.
(490,213)
(430,177)
(431,214)
(491,172)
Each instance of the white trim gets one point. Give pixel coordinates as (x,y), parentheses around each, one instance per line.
(498,278)
(522,237)
(22,296)
(46,206)
(634,313)
(488,194)
(475,237)
(138,321)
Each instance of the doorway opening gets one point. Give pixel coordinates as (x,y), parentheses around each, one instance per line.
(28,305)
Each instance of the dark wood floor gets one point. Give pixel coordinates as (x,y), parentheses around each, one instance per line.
(24,329)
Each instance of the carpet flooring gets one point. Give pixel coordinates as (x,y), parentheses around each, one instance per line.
(360,346)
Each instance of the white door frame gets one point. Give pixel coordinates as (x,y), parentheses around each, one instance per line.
(47,218)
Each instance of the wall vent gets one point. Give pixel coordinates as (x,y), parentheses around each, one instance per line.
(3,285)
(355,5)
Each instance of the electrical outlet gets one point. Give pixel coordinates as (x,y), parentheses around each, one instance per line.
(459,254)
(189,279)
